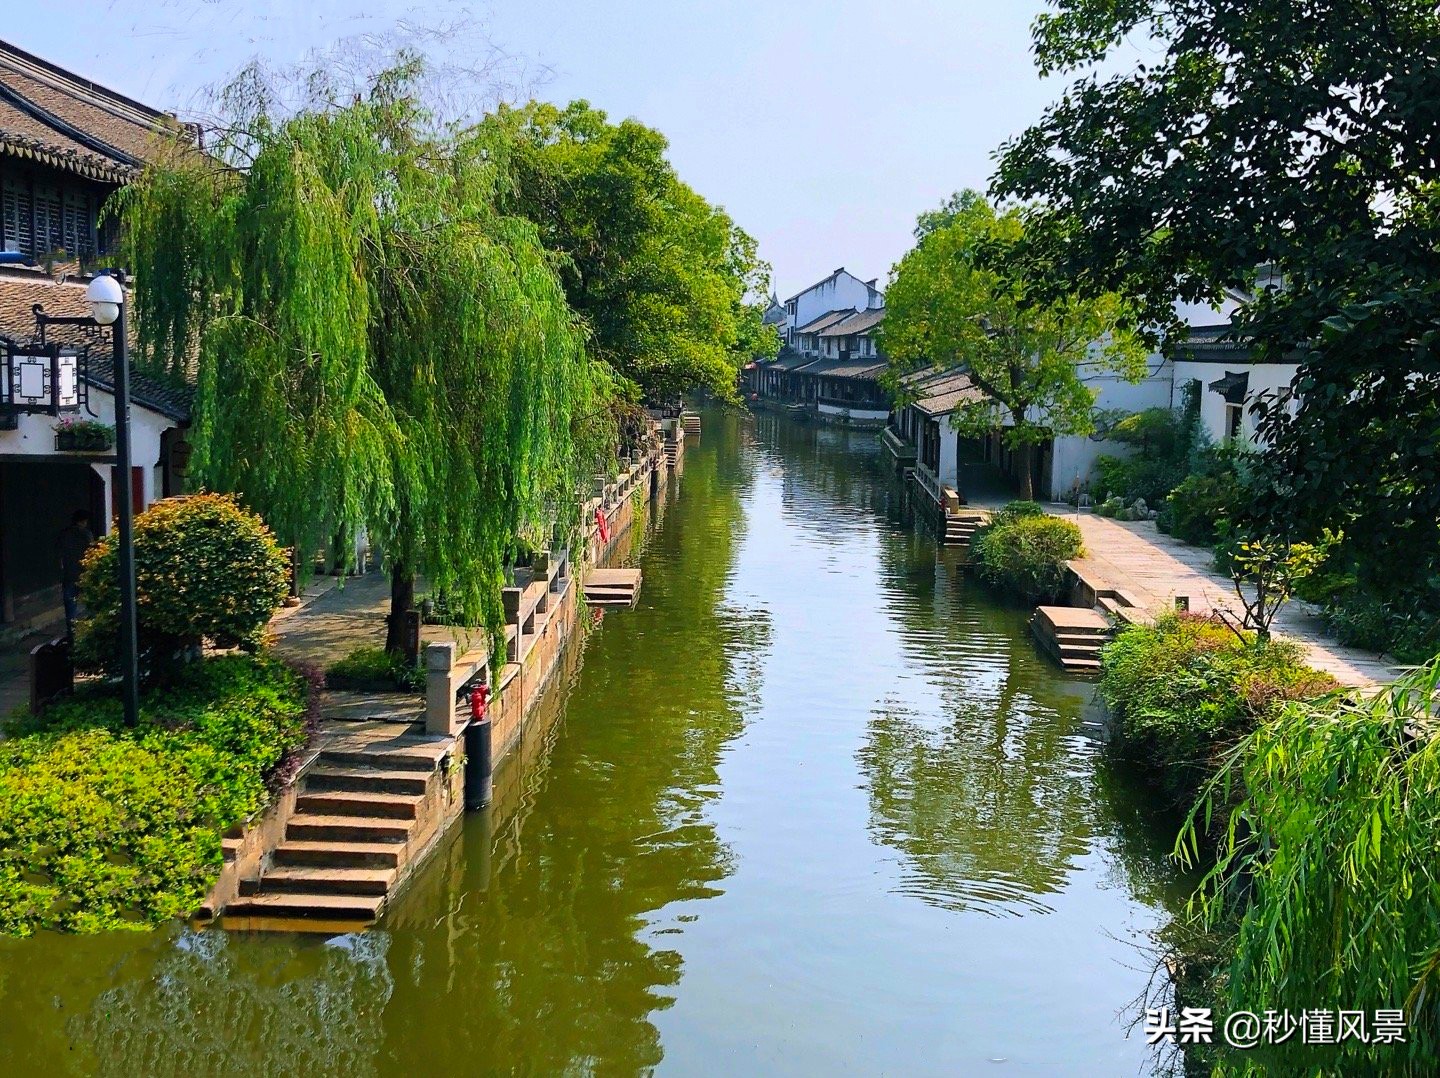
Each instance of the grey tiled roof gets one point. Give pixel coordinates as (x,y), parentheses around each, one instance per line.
(170,400)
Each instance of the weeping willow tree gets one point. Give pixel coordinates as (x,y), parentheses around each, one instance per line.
(373,342)
(1328,877)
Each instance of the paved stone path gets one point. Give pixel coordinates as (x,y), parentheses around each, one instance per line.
(1154,568)
(334,619)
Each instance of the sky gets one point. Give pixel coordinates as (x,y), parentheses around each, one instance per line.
(823,126)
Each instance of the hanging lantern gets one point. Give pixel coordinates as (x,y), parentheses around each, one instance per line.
(40,378)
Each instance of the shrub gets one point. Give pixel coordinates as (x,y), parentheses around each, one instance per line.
(377,669)
(1164,443)
(1013,511)
(1025,553)
(1404,624)
(1189,687)
(1197,507)
(104,827)
(206,570)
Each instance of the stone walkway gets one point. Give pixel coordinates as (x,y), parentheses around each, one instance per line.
(1154,568)
(334,619)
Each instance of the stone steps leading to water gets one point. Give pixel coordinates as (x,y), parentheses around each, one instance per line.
(368,808)
(961,527)
(1072,635)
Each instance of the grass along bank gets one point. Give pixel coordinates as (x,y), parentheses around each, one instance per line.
(1324,890)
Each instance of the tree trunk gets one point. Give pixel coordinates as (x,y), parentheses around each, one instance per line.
(402,600)
(1027,483)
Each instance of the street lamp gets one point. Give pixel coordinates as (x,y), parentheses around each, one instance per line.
(107,308)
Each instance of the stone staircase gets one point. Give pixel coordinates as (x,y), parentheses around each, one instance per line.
(691,423)
(960,528)
(1072,635)
(612,587)
(367,809)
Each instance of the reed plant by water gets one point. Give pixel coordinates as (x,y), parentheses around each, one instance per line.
(1327,874)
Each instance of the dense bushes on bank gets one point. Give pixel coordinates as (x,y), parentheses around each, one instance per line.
(105,827)
(1024,551)
(1189,688)
(1326,890)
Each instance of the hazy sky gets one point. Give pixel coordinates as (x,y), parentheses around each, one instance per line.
(823,127)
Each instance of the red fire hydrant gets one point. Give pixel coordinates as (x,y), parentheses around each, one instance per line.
(479,763)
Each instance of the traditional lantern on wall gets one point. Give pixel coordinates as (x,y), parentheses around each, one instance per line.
(40,378)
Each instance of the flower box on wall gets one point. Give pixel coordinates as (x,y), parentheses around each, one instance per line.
(84,437)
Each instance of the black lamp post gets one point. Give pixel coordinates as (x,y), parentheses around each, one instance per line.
(107,307)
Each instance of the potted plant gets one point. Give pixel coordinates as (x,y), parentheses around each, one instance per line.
(83,436)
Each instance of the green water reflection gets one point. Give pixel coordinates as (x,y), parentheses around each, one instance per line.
(815,805)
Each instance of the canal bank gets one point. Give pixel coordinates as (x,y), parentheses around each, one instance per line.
(389,772)
(815,804)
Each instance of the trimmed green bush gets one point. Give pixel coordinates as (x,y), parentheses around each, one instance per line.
(206,571)
(104,827)
(1013,511)
(1189,688)
(1024,551)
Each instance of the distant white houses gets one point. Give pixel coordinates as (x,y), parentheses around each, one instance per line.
(920,436)
(829,363)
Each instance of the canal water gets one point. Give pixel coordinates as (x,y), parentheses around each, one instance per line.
(818,805)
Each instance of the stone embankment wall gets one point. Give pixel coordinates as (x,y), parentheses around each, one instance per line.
(541,613)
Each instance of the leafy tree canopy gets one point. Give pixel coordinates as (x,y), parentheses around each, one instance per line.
(661,278)
(1304,138)
(377,342)
(958,299)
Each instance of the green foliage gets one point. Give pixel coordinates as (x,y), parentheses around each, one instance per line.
(1013,511)
(103,827)
(1196,508)
(1186,689)
(961,299)
(1300,139)
(1266,571)
(1402,623)
(206,570)
(1164,443)
(375,668)
(378,343)
(1327,867)
(1203,506)
(659,276)
(1025,552)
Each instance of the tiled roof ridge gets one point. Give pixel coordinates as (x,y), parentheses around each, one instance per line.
(92,93)
(64,127)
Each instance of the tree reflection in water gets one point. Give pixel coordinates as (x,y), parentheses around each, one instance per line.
(987,808)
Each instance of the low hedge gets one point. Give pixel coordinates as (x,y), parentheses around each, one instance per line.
(104,827)
(373,669)
(1188,688)
(1023,551)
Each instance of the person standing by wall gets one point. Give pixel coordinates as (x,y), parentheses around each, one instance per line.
(73,542)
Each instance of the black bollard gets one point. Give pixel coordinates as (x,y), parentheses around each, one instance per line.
(478,760)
